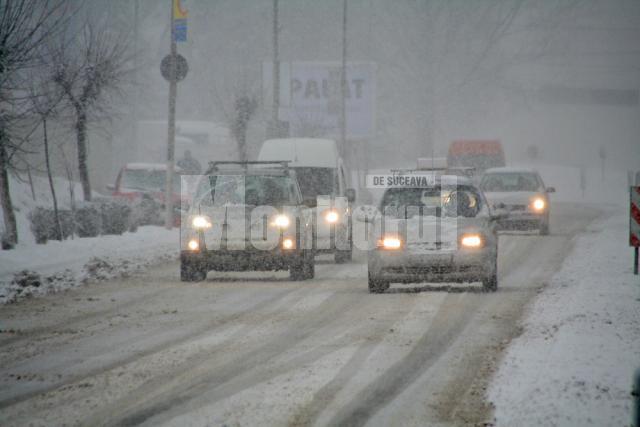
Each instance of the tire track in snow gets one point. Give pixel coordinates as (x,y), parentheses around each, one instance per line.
(186,387)
(162,346)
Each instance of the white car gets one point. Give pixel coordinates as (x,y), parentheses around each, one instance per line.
(323,179)
(437,233)
(522,193)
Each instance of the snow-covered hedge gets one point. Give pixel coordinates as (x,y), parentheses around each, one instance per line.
(89,219)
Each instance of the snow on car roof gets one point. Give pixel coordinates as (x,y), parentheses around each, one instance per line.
(438,178)
(149,166)
(301,152)
(510,170)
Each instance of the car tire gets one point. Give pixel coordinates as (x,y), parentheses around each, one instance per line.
(190,272)
(377,285)
(544,228)
(303,268)
(342,257)
(310,268)
(490,282)
(309,265)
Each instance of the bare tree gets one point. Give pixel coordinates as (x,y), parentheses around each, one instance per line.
(91,70)
(244,109)
(24,26)
(239,104)
(45,98)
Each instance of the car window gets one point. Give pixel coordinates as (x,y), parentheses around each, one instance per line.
(258,190)
(147,180)
(502,182)
(408,202)
(317,181)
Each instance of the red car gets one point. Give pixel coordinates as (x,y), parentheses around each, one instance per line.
(144,184)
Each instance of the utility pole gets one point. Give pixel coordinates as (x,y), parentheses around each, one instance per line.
(343,83)
(136,64)
(275,122)
(171,135)
(136,90)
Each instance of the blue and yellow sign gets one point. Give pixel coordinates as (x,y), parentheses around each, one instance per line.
(179,22)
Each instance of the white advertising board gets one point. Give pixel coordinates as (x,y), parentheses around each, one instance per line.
(310,98)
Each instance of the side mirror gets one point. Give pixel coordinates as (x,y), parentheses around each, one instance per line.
(310,202)
(550,190)
(365,213)
(351,195)
(111,187)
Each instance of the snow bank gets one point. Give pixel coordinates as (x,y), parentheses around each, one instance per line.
(32,269)
(574,363)
(61,265)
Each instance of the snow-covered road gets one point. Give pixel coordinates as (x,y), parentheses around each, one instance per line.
(256,349)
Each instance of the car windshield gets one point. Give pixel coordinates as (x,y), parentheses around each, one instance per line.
(255,190)
(147,180)
(503,182)
(408,202)
(316,181)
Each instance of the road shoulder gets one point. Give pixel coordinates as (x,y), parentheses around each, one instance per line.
(573,364)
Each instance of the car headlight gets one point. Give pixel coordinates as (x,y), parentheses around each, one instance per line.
(281,221)
(471,240)
(288,244)
(331,216)
(193,245)
(201,222)
(538,204)
(390,242)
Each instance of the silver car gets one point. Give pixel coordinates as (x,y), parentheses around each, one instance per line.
(439,233)
(522,193)
(247,216)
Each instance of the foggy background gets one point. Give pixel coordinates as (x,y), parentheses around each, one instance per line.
(560,76)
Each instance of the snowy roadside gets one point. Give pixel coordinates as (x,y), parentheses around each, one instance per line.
(573,364)
(60,265)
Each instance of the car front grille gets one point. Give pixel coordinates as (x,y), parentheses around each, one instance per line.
(432,269)
(517,207)
(430,246)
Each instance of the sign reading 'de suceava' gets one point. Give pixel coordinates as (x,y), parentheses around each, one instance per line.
(413,180)
(311,97)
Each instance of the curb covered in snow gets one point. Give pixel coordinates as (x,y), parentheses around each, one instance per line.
(42,269)
(574,363)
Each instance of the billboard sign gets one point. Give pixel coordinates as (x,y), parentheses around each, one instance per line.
(310,98)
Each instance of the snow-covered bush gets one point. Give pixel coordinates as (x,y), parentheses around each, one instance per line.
(115,216)
(146,211)
(44,227)
(88,220)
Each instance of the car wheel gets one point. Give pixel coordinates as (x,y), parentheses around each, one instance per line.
(544,228)
(377,285)
(310,268)
(342,257)
(189,272)
(303,268)
(490,282)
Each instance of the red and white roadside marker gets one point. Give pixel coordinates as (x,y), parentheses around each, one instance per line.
(634,224)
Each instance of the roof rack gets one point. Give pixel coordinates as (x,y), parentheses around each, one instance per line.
(213,166)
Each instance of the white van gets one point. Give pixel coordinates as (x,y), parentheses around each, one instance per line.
(322,176)
(207,141)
